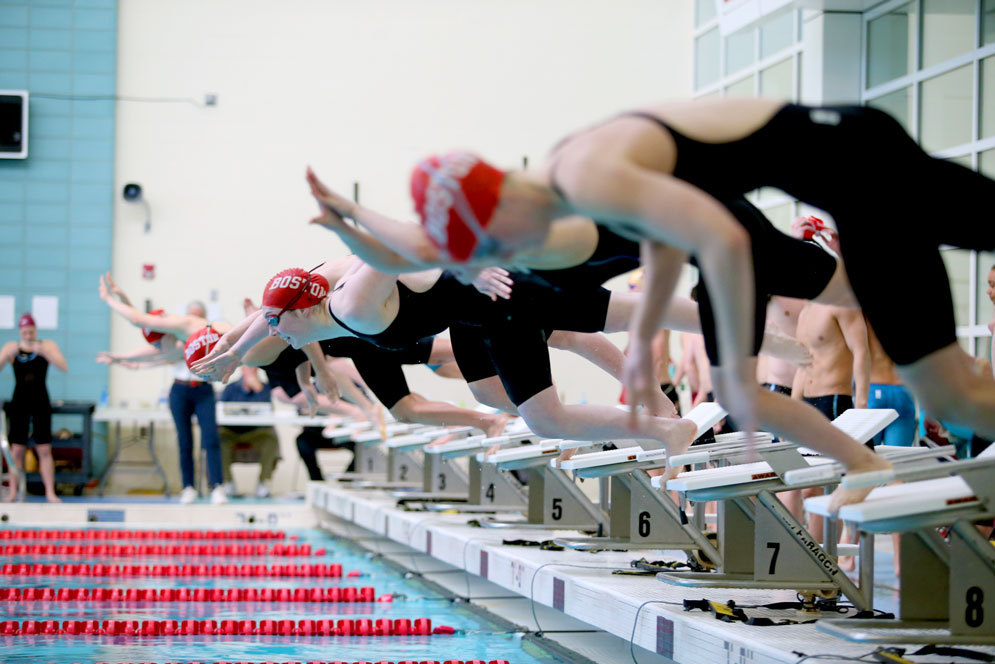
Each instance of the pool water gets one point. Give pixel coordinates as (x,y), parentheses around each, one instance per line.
(475,637)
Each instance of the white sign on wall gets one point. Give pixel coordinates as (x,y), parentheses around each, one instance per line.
(45,309)
(6,312)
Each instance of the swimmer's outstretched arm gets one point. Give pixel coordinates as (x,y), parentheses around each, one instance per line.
(182,326)
(391,257)
(145,355)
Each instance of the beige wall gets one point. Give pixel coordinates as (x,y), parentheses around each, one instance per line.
(359,90)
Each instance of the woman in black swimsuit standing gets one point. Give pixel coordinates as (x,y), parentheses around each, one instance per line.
(30,409)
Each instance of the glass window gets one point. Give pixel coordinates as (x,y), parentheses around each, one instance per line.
(947,29)
(740,50)
(777,34)
(987,110)
(958,266)
(742,88)
(767,193)
(987,21)
(714,94)
(964,160)
(704,11)
(946,109)
(986,163)
(898,104)
(706,59)
(781,216)
(776,82)
(890,45)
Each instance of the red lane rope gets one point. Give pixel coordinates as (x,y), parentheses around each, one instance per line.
(132,550)
(325,627)
(334,594)
(339,661)
(109,534)
(306,570)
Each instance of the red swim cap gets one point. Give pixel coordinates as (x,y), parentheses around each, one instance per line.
(199,345)
(282,289)
(152,336)
(27,320)
(820,226)
(455,196)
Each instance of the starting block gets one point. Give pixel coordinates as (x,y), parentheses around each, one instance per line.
(948,596)
(641,517)
(492,489)
(554,502)
(371,459)
(761,543)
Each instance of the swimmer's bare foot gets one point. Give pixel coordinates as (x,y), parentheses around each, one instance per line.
(566,454)
(11,496)
(844,496)
(678,436)
(52,498)
(496,424)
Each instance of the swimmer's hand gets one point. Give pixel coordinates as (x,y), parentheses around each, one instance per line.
(311,395)
(115,289)
(640,380)
(494,282)
(334,209)
(736,384)
(104,290)
(249,307)
(831,238)
(328,385)
(106,357)
(219,364)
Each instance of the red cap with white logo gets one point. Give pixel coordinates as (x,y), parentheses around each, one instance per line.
(818,225)
(295,288)
(455,196)
(152,336)
(27,320)
(199,345)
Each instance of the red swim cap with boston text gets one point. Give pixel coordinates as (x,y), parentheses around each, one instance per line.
(152,336)
(289,284)
(455,196)
(199,344)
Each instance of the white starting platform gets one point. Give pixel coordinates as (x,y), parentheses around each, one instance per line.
(583,586)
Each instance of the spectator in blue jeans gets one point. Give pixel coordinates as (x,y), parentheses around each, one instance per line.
(189,395)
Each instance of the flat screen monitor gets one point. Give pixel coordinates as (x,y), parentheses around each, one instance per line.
(13,124)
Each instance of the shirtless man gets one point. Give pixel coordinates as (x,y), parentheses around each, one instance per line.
(991,326)
(886,391)
(837,339)
(782,314)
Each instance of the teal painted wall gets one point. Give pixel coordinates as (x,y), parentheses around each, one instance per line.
(56,206)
